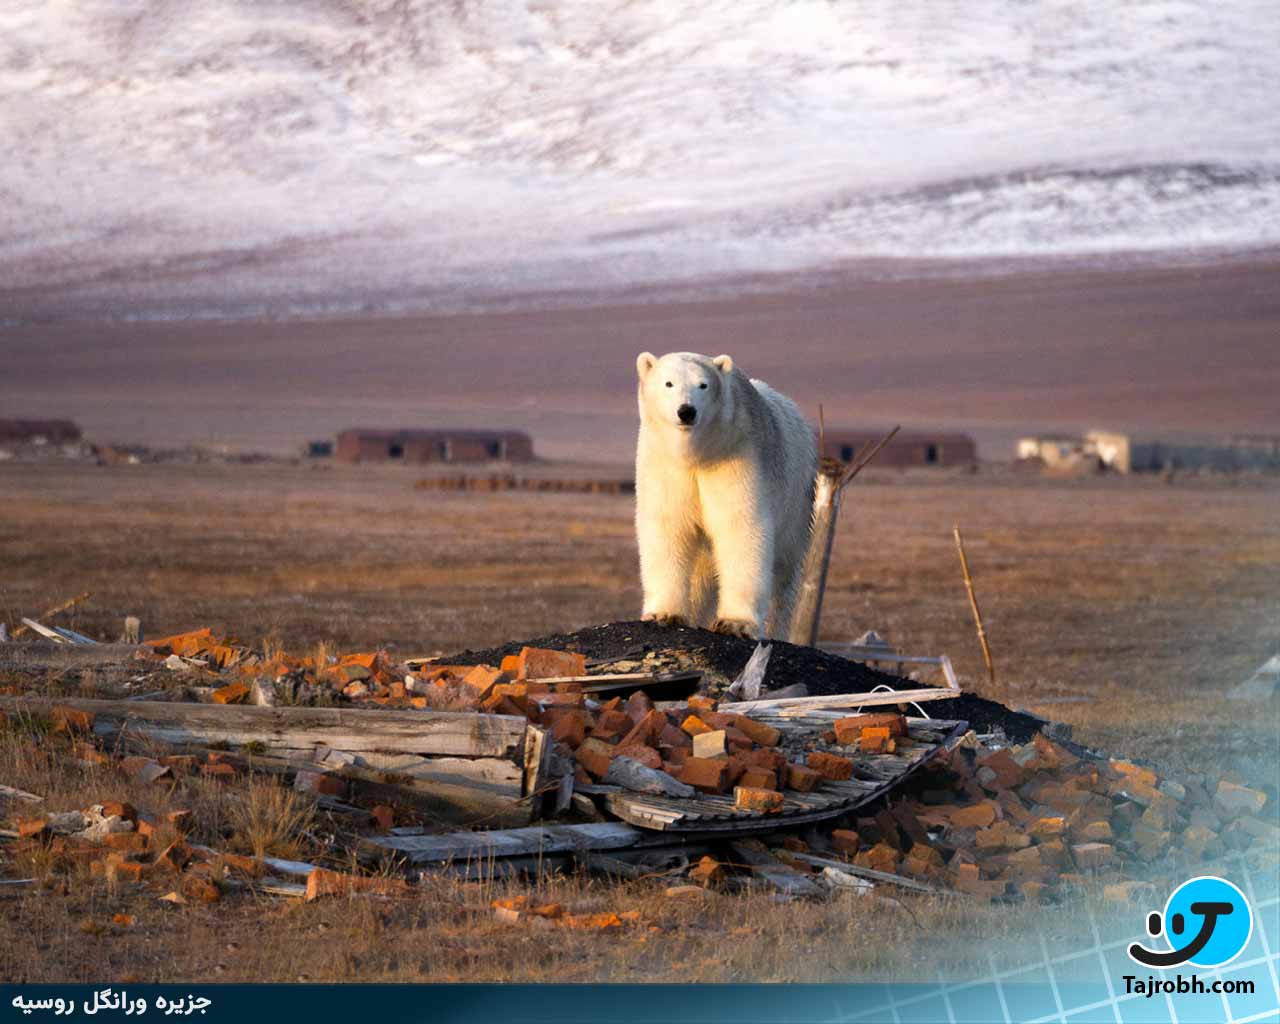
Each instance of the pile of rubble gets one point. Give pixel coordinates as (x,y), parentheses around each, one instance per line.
(802,798)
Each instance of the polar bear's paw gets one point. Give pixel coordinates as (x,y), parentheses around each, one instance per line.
(666,618)
(735,627)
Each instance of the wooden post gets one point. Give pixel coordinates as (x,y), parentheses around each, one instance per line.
(973,603)
(813,584)
(49,613)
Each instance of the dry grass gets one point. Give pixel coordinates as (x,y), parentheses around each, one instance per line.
(270,819)
(1126,607)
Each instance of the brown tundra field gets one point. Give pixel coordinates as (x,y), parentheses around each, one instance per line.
(1125,607)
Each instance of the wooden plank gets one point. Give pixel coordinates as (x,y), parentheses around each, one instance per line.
(754,855)
(458,799)
(500,843)
(44,631)
(843,700)
(870,873)
(536,777)
(409,732)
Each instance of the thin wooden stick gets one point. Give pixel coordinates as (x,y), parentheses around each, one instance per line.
(864,457)
(52,612)
(973,603)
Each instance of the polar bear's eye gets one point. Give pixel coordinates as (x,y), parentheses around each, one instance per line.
(670,385)
(703,385)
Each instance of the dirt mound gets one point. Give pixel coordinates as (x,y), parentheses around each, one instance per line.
(649,646)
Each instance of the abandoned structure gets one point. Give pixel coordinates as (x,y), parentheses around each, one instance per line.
(418,446)
(39,431)
(906,449)
(1106,450)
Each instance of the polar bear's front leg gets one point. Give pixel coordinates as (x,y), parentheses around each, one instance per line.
(668,536)
(738,524)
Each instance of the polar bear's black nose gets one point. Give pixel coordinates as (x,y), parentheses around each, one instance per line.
(687,414)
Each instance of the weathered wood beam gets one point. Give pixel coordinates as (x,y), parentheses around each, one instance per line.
(844,700)
(407,732)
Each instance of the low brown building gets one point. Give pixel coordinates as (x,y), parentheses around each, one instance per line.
(419,446)
(39,431)
(906,448)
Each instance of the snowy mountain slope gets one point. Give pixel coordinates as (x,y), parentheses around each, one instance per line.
(169,157)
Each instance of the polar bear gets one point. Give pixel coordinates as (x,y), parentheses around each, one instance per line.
(725,470)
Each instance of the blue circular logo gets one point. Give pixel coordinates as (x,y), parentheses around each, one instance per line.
(1202,902)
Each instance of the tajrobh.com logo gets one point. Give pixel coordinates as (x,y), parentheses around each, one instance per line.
(1207,922)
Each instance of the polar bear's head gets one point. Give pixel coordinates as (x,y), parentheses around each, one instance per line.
(683,393)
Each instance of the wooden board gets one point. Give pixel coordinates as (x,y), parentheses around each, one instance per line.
(516,842)
(852,701)
(407,732)
(874,775)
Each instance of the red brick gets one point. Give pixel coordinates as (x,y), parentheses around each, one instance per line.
(181,819)
(751,799)
(594,756)
(128,842)
(322,882)
(647,729)
(70,719)
(674,737)
(611,725)
(775,761)
(707,774)
(232,693)
(849,730)
(641,752)
(765,735)
(115,808)
(875,740)
(831,766)
(125,870)
(638,705)
(482,679)
(694,726)
(540,663)
(568,725)
(845,841)
(700,703)
(802,779)
(31,828)
(758,778)
(707,872)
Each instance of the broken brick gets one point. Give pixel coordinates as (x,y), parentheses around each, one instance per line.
(846,841)
(540,663)
(383,817)
(1092,856)
(641,752)
(694,726)
(232,693)
(482,679)
(758,732)
(831,766)
(707,872)
(594,755)
(748,798)
(802,779)
(611,724)
(67,719)
(647,729)
(758,778)
(1231,800)
(569,725)
(849,730)
(706,774)
(322,882)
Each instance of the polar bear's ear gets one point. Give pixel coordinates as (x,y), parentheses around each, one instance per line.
(645,362)
(724,363)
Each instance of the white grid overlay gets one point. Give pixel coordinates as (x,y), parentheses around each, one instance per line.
(902,997)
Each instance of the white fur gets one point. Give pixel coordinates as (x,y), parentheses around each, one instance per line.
(724,505)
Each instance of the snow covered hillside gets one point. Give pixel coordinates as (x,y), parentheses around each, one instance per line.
(237,157)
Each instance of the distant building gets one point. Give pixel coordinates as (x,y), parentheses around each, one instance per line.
(419,446)
(1103,449)
(318,449)
(39,431)
(906,449)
